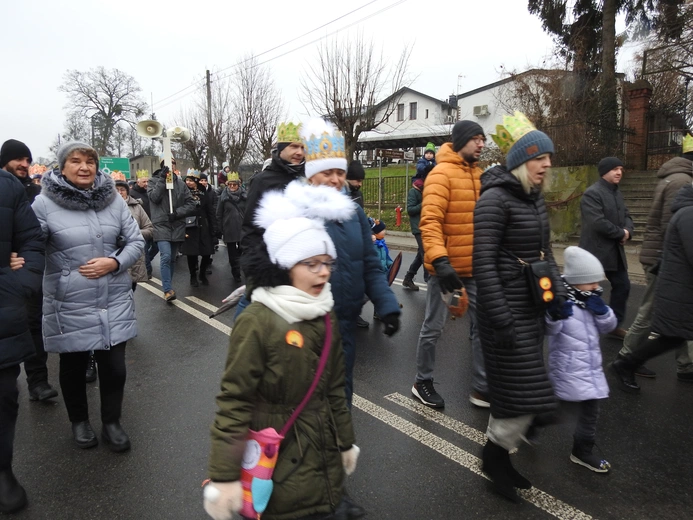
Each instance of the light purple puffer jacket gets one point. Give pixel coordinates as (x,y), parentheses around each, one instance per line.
(575,358)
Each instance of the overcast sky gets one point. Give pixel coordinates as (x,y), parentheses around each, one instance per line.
(167,45)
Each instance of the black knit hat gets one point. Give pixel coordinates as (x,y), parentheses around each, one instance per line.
(377,226)
(355,172)
(607,164)
(123,184)
(463,131)
(13,149)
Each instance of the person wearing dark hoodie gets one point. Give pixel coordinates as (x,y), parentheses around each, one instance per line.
(426,163)
(355,176)
(672,315)
(414,200)
(511,226)
(674,175)
(15,157)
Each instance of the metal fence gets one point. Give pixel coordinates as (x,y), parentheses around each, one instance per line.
(386,192)
(583,142)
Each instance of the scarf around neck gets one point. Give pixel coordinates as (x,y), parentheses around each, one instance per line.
(293,304)
(580,297)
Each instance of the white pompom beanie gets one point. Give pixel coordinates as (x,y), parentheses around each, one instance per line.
(291,240)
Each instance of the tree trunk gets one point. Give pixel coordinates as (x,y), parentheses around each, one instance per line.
(609,102)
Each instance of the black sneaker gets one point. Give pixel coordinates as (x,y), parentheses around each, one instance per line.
(361,323)
(424,391)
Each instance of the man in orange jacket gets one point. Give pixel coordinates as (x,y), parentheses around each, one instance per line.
(447,232)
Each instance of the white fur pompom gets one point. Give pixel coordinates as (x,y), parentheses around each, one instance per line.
(273,206)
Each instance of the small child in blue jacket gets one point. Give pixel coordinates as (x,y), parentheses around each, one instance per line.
(378,229)
(575,357)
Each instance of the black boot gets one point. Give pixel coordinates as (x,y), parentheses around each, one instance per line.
(84,435)
(12,494)
(582,455)
(91,369)
(115,437)
(408,282)
(624,368)
(496,464)
(204,264)
(193,280)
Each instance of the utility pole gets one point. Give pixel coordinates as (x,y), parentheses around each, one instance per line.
(209,124)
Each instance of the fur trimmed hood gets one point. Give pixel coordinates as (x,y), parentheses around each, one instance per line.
(59,190)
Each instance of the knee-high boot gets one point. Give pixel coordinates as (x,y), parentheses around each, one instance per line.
(496,464)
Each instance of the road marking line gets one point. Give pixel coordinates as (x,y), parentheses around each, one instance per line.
(193,312)
(202,303)
(156,281)
(540,499)
(435,416)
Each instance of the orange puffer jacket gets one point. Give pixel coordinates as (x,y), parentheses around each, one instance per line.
(447,211)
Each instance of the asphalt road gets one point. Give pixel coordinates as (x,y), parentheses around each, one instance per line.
(415,463)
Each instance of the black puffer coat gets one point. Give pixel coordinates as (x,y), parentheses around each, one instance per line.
(505,216)
(199,239)
(230,212)
(673,303)
(20,233)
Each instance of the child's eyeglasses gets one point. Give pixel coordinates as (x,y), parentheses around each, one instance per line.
(315,266)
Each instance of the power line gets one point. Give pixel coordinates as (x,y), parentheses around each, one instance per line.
(269,50)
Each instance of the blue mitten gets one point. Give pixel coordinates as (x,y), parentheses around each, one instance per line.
(560,309)
(595,304)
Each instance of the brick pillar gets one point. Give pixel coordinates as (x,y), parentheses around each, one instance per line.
(639,95)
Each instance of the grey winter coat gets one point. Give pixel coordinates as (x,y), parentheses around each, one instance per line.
(138,272)
(673,300)
(505,216)
(674,175)
(81,314)
(183,205)
(604,217)
(230,214)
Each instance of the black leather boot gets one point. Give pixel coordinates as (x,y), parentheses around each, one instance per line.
(84,435)
(12,494)
(115,437)
(496,466)
(203,272)
(193,280)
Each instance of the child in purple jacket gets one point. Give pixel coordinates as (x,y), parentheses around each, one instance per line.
(575,358)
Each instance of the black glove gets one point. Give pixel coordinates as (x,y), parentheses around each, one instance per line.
(505,337)
(172,217)
(390,324)
(449,281)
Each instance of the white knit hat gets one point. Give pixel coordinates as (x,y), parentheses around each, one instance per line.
(291,240)
(324,146)
(581,266)
(294,221)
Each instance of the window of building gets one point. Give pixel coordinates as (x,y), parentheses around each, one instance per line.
(412,111)
(400,112)
(426,113)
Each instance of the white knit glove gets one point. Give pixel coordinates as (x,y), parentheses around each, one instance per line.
(349,458)
(222,499)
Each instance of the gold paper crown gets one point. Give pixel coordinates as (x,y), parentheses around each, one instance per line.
(324,146)
(687,144)
(512,129)
(193,173)
(288,133)
(142,174)
(233,177)
(117,175)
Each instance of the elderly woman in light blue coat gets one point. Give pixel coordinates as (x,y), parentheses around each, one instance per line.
(88,304)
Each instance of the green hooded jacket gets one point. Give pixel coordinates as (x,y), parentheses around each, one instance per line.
(265,379)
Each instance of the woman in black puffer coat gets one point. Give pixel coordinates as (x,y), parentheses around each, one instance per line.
(200,230)
(510,222)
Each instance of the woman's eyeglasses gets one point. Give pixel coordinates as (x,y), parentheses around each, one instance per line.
(314,266)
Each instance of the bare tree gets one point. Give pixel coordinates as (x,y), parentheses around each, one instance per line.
(348,83)
(269,110)
(76,129)
(197,148)
(106,97)
(120,139)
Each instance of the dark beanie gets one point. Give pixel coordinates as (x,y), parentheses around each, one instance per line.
(463,131)
(123,184)
(377,226)
(204,177)
(607,164)
(13,149)
(355,172)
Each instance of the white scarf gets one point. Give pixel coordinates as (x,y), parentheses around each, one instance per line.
(293,304)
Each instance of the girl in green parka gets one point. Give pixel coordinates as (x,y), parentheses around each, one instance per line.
(274,350)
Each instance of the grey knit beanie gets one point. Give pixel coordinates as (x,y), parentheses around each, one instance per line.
(65,150)
(581,266)
(529,146)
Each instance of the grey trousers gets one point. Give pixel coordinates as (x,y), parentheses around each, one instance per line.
(507,433)
(641,328)
(436,315)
